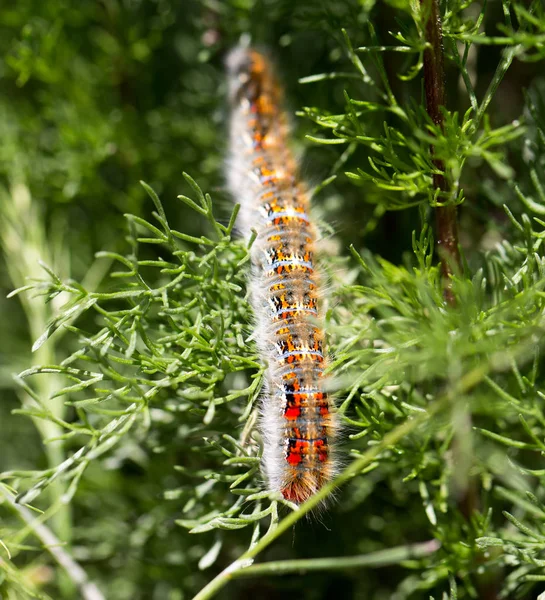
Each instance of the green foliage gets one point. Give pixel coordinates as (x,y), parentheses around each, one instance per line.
(143,479)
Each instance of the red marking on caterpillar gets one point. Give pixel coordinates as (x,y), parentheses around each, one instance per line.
(297,417)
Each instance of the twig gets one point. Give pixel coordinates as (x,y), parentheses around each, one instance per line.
(381,558)
(446,217)
(448,246)
(434,83)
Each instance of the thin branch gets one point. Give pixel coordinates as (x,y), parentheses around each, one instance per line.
(381,558)
(434,83)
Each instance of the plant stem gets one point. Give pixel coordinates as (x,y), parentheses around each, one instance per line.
(448,248)
(24,241)
(434,83)
(464,384)
(381,558)
(445,216)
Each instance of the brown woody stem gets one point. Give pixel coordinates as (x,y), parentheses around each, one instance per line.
(434,83)
(448,248)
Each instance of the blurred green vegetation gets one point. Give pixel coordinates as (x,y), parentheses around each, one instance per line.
(99,95)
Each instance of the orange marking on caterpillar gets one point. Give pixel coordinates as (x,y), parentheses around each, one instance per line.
(298,421)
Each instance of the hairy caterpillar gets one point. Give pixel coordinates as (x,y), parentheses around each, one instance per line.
(297,415)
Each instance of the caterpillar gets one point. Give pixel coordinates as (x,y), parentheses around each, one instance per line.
(298,422)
